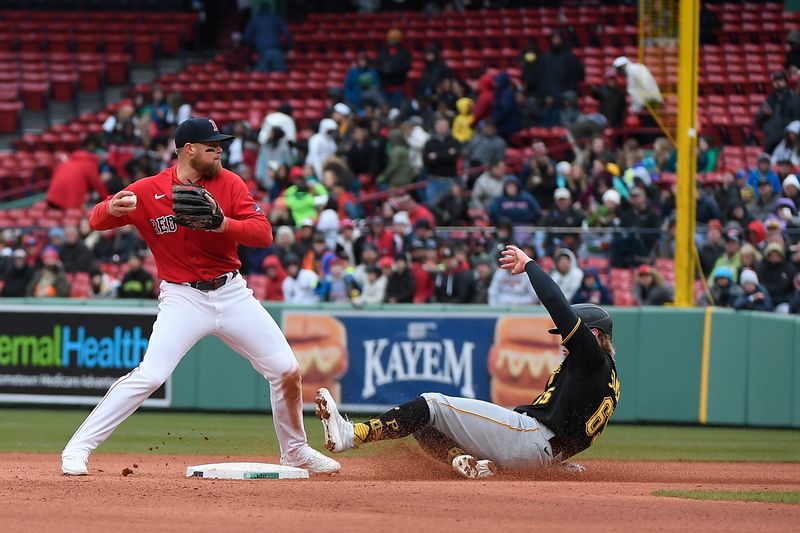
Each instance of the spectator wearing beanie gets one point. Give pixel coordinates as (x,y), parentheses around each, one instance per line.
(791,190)
(776,276)
(724,290)
(755,296)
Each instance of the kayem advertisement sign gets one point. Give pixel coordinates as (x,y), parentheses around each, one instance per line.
(378,359)
(71,355)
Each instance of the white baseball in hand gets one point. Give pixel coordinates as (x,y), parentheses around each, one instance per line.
(128,200)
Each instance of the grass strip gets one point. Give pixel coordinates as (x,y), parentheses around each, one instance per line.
(766,496)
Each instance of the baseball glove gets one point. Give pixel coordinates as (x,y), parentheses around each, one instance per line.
(195,208)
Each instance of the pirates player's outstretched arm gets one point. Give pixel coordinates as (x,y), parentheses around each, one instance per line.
(548,291)
(553,300)
(577,337)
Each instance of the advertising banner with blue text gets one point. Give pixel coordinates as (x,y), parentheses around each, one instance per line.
(71,355)
(377,360)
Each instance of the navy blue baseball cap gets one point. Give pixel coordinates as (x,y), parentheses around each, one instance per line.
(199,130)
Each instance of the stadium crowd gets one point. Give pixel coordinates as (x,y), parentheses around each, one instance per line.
(408,195)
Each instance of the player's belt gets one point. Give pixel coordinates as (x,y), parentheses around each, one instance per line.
(210,285)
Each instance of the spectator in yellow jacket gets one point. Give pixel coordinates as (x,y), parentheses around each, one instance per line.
(462,124)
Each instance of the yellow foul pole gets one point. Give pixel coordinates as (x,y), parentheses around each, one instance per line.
(687,152)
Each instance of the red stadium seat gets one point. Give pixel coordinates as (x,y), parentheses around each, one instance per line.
(35,94)
(90,77)
(144,48)
(10,113)
(64,87)
(81,285)
(117,69)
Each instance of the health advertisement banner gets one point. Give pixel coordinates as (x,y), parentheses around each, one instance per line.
(71,355)
(375,360)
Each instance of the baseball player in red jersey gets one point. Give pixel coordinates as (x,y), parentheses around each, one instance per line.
(202,292)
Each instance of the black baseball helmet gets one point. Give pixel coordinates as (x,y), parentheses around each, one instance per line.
(593,316)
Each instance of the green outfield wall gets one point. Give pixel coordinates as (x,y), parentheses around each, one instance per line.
(706,366)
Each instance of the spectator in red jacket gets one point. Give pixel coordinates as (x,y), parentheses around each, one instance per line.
(378,236)
(485,102)
(75,177)
(422,270)
(275,276)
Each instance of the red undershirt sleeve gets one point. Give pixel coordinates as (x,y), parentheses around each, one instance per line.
(247,224)
(101,219)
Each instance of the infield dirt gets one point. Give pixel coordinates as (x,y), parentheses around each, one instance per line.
(404,491)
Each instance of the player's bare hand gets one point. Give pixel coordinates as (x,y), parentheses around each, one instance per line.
(514,259)
(122,203)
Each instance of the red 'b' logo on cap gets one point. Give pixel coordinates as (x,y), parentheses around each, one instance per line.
(213,125)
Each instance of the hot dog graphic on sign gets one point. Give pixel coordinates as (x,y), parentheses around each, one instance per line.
(319,343)
(521,359)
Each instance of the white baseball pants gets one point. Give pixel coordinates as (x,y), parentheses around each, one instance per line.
(185,315)
(487,431)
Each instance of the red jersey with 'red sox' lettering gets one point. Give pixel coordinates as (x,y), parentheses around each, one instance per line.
(183,254)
